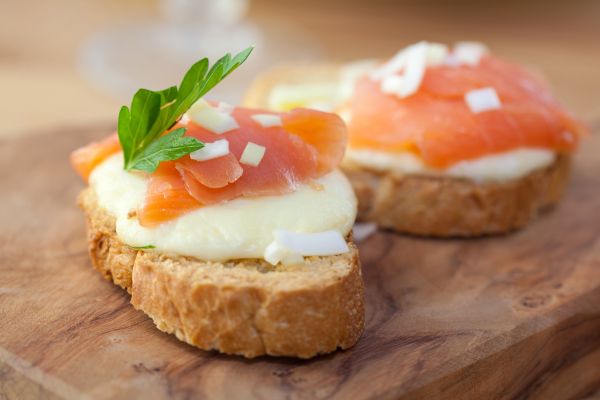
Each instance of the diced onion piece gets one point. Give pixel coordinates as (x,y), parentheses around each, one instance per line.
(480,100)
(349,74)
(436,54)
(409,81)
(325,243)
(275,253)
(392,84)
(267,120)
(253,154)
(392,66)
(216,149)
(185,119)
(469,53)
(211,118)
(362,231)
(225,107)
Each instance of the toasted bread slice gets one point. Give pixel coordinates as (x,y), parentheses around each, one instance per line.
(431,205)
(445,207)
(245,307)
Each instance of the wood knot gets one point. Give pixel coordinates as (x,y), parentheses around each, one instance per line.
(284,373)
(536,300)
(142,368)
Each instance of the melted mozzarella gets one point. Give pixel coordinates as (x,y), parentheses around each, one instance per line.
(240,228)
(495,167)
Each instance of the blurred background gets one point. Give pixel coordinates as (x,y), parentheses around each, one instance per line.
(70,63)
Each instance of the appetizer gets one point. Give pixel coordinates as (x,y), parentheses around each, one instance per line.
(442,142)
(230,227)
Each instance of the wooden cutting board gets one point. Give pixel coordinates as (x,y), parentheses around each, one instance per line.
(512,316)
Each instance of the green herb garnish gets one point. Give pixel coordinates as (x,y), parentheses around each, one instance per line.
(149,246)
(151,114)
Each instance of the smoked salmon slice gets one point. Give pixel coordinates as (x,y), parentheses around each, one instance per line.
(436,123)
(86,158)
(306,145)
(166,197)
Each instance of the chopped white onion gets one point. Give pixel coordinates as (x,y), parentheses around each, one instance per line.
(480,100)
(253,154)
(436,54)
(414,70)
(403,74)
(326,243)
(267,120)
(225,107)
(275,253)
(469,53)
(212,118)
(216,149)
(184,119)
(413,62)
(362,231)
(392,84)
(394,65)
(288,246)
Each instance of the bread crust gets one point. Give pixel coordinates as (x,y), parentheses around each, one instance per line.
(438,206)
(244,307)
(445,207)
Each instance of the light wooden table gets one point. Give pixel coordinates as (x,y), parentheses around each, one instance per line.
(39,44)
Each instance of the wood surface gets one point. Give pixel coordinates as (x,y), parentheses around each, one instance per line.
(515,316)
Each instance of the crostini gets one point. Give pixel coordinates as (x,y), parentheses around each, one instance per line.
(230,227)
(442,142)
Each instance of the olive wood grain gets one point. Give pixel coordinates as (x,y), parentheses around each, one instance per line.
(516,316)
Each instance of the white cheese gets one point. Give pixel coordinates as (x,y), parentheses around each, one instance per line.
(267,120)
(481,100)
(216,149)
(252,154)
(212,118)
(498,167)
(240,228)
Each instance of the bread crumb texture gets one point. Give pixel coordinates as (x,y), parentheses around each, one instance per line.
(444,206)
(245,307)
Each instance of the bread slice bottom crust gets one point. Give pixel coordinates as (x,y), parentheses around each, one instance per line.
(244,307)
(447,206)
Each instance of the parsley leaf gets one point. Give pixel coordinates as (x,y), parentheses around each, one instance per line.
(141,126)
(168,147)
(149,246)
